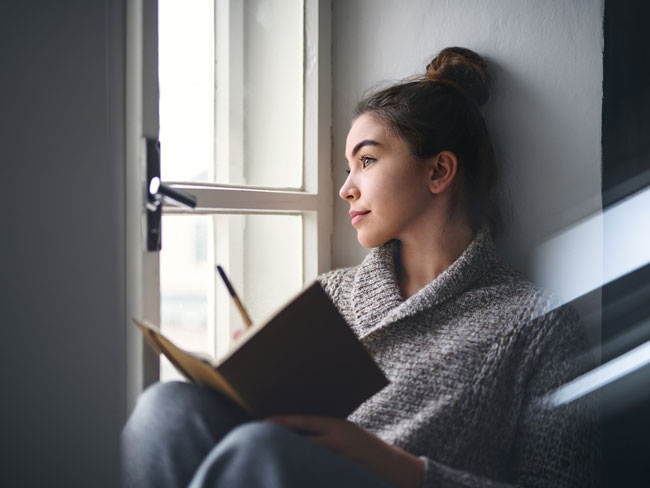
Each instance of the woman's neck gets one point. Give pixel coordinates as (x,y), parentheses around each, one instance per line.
(420,260)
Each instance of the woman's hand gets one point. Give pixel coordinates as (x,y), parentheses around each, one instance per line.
(360,446)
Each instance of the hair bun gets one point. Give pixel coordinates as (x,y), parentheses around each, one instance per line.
(464,68)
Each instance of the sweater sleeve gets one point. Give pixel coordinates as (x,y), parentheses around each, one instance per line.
(554,446)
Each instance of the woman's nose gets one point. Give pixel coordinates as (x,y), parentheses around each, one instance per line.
(349,190)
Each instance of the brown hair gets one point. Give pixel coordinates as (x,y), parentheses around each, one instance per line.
(439,111)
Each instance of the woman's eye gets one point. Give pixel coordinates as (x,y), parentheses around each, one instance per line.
(366,161)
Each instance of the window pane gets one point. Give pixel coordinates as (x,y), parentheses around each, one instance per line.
(273,262)
(186,284)
(231,91)
(186,80)
(262,255)
(273,77)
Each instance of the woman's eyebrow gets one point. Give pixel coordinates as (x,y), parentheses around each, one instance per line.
(365,142)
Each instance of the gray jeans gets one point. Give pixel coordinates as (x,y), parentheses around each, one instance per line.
(181,434)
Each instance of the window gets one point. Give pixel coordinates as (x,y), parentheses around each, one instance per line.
(245,126)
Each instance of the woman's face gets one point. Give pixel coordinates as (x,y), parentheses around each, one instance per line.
(388,190)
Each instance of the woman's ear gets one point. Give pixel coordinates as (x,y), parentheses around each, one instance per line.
(442,171)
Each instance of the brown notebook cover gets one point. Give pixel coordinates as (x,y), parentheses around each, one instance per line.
(304,360)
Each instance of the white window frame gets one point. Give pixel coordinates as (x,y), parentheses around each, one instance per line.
(314,202)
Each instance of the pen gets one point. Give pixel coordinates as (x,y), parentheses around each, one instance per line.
(231,290)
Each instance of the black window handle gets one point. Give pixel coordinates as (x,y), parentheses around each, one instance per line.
(157,193)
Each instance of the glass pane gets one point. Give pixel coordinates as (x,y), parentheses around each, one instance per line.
(187,284)
(273,98)
(273,262)
(262,255)
(186,80)
(231,91)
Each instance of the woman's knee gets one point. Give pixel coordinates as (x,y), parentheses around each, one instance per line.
(160,393)
(177,398)
(163,398)
(152,410)
(266,454)
(175,408)
(257,435)
(262,440)
(255,453)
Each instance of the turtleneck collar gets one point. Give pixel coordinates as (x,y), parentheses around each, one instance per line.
(376,298)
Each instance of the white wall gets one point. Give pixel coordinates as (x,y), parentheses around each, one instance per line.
(545,110)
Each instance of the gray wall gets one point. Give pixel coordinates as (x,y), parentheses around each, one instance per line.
(544,114)
(62,245)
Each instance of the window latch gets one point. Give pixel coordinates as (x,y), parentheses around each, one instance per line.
(159,193)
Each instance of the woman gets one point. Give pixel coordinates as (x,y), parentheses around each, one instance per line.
(470,346)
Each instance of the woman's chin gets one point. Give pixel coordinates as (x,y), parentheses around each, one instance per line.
(370,241)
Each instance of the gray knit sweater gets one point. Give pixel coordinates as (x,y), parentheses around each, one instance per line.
(469,358)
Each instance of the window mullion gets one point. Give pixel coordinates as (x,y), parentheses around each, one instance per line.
(319,221)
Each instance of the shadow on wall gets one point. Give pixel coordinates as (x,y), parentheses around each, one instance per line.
(523,120)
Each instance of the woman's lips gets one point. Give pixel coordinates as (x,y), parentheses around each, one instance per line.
(357,216)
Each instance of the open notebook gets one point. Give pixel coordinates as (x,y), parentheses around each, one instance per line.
(304,360)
